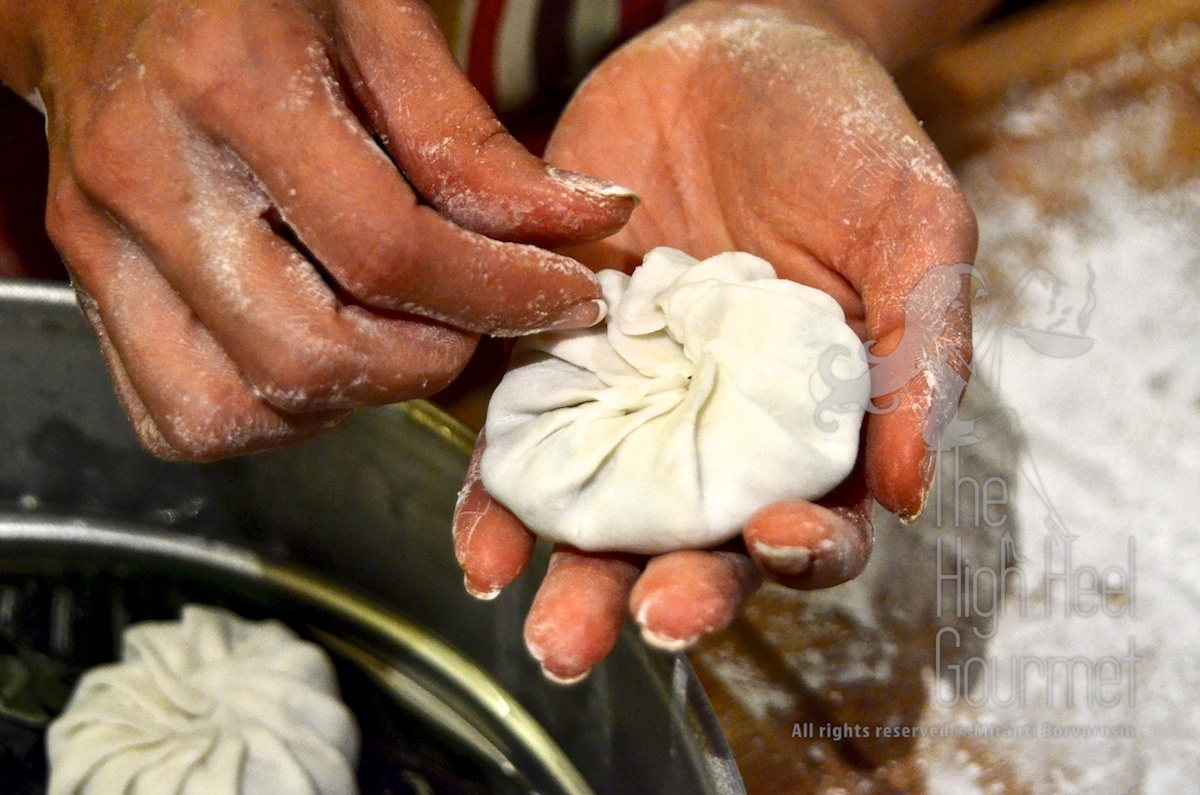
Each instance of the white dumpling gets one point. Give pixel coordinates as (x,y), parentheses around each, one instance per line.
(212,704)
(705,396)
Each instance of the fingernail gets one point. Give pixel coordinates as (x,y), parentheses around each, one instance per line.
(564,680)
(590,185)
(785,560)
(657,639)
(485,596)
(538,653)
(665,642)
(928,471)
(576,316)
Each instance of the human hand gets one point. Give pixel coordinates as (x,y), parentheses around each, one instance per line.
(274,213)
(749,129)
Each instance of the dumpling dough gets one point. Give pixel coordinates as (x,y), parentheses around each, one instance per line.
(212,704)
(698,402)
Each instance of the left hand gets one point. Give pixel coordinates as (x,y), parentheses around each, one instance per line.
(752,130)
(277,212)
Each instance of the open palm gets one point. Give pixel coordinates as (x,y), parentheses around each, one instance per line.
(747,130)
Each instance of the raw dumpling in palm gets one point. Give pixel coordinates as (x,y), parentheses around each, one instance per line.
(705,396)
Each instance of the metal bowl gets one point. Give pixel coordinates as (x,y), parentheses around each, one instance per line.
(430,718)
(368,507)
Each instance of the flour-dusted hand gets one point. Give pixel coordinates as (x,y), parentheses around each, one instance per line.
(765,128)
(699,401)
(276,212)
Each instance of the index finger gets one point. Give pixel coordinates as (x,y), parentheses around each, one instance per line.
(356,215)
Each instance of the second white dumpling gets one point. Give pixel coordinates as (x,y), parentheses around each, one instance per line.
(707,395)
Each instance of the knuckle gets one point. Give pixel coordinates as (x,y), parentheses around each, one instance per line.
(154,442)
(187,434)
(302,377)
(210,430)
(207,418)
(203,61)
(487,134)
(66,212)
(343,371)
(104,162)
(452,358)
(205,431)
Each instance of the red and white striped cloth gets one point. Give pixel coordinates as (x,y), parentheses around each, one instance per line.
(519,51)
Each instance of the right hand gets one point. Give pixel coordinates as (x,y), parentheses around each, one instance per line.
(255,264)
